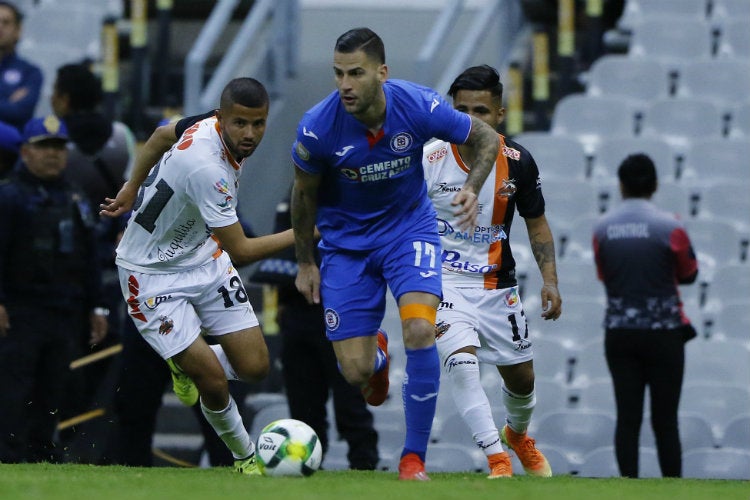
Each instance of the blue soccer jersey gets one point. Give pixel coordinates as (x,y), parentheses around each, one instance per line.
(372,189)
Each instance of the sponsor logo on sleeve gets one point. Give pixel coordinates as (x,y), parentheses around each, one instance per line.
(511,153)
(302,152)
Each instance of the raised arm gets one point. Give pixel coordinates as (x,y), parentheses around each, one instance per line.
(304,210)
(485,143)
(157,144)
(543,248)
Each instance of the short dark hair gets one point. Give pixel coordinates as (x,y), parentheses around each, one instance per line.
(16,12)
(244,91)
(637,174)
(482,77)
(81,85)
(363,39)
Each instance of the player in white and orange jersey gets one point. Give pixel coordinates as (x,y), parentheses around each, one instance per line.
(480,304)
(175,275)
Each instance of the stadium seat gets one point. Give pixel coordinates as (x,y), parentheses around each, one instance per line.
(602,462)
(728,162)
(580,322)
(590,363)
(723,81)
(613,150)
(567,200)
(335,457)
(454,430)
(551,357)
(717,402)
(723,11)
(686,39)
(739,125)
(635,11)
(695,432)
(557,157)
(674,198)
(81,30)
(266,415)
(729,283)
(680,121)
(734,40)
(710,463)
(390,439)
(578,281)
(596,395)
(715,242)
(715,361)
(451,457)
(575,238)
(576,432)
(736,434)
(551,395)
(727,201)
(641,80)
(590,119)
(732,320)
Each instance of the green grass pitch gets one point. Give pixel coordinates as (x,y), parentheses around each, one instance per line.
(79,482)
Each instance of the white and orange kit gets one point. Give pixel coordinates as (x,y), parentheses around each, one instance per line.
(481,305)
(173,274)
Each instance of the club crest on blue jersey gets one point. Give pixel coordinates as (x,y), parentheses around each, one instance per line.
(332,319)
(401,142)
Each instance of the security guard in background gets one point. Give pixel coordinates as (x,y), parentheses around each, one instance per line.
(50,285)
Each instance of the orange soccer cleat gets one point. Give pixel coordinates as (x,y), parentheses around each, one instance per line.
(411,468)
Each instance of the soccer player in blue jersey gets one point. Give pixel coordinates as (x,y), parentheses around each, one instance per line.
(359,177)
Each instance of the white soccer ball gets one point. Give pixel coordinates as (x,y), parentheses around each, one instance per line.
(288,447)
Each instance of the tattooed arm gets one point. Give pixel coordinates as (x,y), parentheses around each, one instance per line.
(484,142)
(543,248)
(303,212)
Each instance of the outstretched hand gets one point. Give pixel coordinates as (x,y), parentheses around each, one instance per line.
(114,207)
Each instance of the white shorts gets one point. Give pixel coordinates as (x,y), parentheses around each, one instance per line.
(171,310)
(491,320)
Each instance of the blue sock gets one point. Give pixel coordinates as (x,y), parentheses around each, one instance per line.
(419,392)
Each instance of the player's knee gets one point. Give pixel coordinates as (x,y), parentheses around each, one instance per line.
(212,387)
(254,371)
(357,373)
(418,333)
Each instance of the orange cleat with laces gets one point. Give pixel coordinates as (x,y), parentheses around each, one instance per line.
(411,468)
(500,465)
(533,461)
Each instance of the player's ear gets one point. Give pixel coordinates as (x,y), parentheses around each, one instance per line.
(383,73)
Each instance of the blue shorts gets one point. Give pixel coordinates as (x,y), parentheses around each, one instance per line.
(353,283)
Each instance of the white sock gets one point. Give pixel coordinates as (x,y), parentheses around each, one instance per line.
(224,361)
(462,370)
(228,425)
(518,409)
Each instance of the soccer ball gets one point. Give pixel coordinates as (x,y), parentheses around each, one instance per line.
(288,447)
